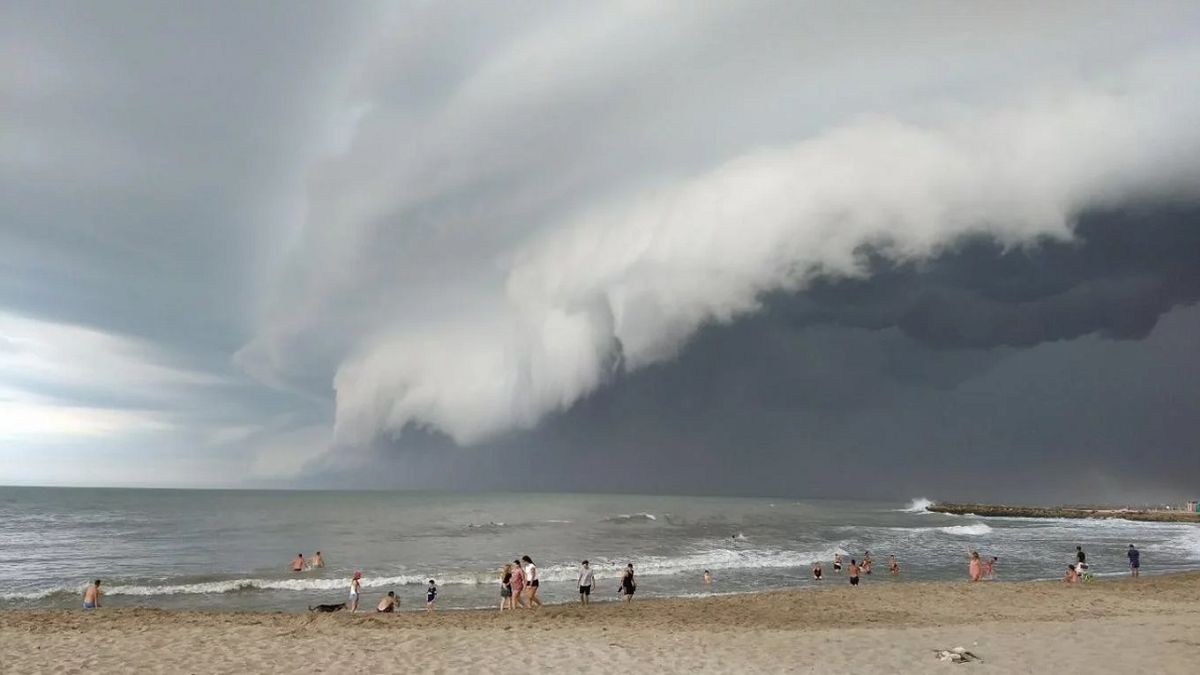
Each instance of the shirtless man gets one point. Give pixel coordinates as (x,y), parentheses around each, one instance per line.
(387,603)
(91,595)
(853,572)
(298,563)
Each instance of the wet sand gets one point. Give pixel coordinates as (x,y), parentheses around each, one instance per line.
(1110,626)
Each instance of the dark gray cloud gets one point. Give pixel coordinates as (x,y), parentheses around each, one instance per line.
(743,247)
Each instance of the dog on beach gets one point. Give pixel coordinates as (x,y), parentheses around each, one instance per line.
(328,608)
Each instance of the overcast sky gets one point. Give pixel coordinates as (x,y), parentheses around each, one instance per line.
(783,248)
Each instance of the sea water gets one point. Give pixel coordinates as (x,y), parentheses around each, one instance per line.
(229,549)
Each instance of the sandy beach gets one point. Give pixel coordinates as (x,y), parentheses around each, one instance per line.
(1110,626)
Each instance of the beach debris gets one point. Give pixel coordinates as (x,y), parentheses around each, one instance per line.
(956,655)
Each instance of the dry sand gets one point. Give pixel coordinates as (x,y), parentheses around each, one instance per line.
(1150,625)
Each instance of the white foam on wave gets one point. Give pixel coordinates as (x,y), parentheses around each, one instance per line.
(918,505)
(973,530)
(627,517)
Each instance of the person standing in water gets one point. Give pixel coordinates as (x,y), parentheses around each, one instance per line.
(628,585)
(707,578)
(531,581)
(298,563)
(974,566)
(586,580)
(816,570)
(506,587)
(893,565)
(518,585)
(318,562)
(853,572)
(837,563)
(91,595)
(1135,560)
(430,596)
(355,590)
(989,568)
(867,561)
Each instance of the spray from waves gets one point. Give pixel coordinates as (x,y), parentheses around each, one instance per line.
(965,530)
(918,505)
(626,518)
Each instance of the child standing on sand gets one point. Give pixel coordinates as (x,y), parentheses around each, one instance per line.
(430,596)
(355,589)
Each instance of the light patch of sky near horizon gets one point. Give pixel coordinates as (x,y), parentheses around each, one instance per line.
(464,216)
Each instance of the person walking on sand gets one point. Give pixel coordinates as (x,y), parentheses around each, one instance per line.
(298,563)
(1135,561)
(837,563)
(853,572)
(586,580)
(91,595)
(893,565)
(531,582)
(506,592)
(355,590)
(974,566)
(518,585)
(387,604)
(628,585)
(430,596)
(318,562)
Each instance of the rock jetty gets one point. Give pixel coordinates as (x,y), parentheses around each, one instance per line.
(1003,511)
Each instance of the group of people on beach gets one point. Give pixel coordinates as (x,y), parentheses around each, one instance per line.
(1078,571)
(856,568)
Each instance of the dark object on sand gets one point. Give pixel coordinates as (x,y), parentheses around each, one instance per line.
(328,608)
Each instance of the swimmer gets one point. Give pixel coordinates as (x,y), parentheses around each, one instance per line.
(91,595)
(387,603)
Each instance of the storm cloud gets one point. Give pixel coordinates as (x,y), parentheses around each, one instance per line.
(302,242)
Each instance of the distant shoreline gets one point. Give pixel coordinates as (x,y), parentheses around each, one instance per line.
(1004,511)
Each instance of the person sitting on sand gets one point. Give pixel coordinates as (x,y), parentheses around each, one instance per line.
(893,565)
(707,578)
(317,561)
(355,590)
(298,563)
(1135,560)
(387,603)
(816,570)
(586,581)
(506,587)
(853,572)
(531,583)
(91,595)
(430,596)
(1071,576)
(837,563)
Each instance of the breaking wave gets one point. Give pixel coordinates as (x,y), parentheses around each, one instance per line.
(625,518)
(918,505)
(966,530)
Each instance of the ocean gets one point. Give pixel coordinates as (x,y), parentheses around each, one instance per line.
(232,549)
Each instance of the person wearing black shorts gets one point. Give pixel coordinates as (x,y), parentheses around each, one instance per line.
(853,572)
(586,581)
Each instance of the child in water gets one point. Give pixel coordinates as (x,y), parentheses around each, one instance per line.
(816,570)
(430,596)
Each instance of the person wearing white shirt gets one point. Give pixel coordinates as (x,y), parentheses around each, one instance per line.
(531,582)
(586,581)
